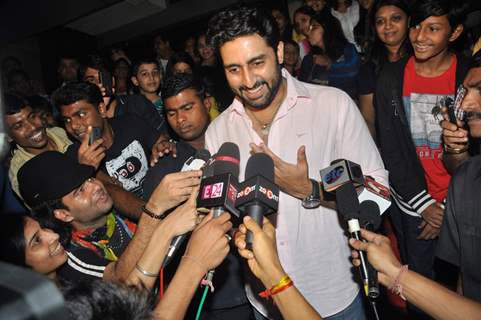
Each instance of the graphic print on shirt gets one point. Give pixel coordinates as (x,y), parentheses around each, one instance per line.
(130,167)
(423,114)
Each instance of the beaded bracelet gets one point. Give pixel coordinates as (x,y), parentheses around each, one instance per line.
(152,214)
(282,285)
(396,287)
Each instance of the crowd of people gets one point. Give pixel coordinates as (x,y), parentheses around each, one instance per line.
(93,191)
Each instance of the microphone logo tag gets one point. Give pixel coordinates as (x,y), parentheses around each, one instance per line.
(333,175)
(213,191)
(268,193)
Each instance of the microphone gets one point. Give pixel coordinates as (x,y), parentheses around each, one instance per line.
(349,208)
(219,191)
(340,172)
(377,193)
(195,162)
(259,196)
(371,220)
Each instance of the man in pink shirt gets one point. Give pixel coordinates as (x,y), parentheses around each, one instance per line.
(303,127)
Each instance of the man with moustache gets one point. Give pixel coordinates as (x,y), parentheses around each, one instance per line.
(27,130)
(303,127)
(459,241)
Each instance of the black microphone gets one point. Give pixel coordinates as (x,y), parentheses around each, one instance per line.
(195,162)
(348,207)
(371,220)
(258,195)
(219,191)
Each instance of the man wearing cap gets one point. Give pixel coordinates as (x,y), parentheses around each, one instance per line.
(65,197)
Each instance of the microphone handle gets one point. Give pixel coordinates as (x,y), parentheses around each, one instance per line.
(216,212)
(176,242)
(256,212)
(363,267)
(373,284)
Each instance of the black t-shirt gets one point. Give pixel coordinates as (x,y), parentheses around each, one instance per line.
(127,160)
(140,106)
(460,238)
(366,80)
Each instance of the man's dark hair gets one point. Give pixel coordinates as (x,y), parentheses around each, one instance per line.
(179,57)
(292,43)
(14,103)
(12,239)
(145,60)
(175,84)
(335,3)
(230,24)
(77,91)
(97,299)
(455,11)
(306,10)
(37,102)
(93,61)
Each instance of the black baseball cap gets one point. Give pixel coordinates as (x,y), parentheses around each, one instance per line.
(50,176)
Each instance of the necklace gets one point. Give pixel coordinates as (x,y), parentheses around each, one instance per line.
(264,127)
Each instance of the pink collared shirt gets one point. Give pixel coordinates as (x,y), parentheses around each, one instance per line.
(312,246)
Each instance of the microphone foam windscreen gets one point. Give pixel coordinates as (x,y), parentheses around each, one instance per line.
(370,213)
(260,164)
(227,159)
(202,154)
(347,202)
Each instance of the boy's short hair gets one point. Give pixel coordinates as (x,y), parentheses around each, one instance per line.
(455,11)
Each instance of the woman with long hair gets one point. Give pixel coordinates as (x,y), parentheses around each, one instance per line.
(333,60)
(389,43)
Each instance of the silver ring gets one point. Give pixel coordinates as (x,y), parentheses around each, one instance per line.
(229,238)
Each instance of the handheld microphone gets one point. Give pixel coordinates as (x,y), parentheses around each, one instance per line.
(348,207)
(219,191)
(371,220)
(341,171)
(376,192)
(259,196)
(195,162)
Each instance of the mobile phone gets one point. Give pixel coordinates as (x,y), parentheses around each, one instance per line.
(459,114)
(95,135)
(105,79)
(451,112)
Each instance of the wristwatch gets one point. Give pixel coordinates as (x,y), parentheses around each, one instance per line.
(314,199)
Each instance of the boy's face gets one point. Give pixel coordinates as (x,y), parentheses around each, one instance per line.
(431,37)
(147,78)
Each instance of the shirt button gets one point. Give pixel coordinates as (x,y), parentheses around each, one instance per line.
(282,243)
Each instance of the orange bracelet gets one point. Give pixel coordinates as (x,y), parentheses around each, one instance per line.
(282,285)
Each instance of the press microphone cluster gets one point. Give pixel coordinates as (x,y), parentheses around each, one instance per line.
(258,195)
